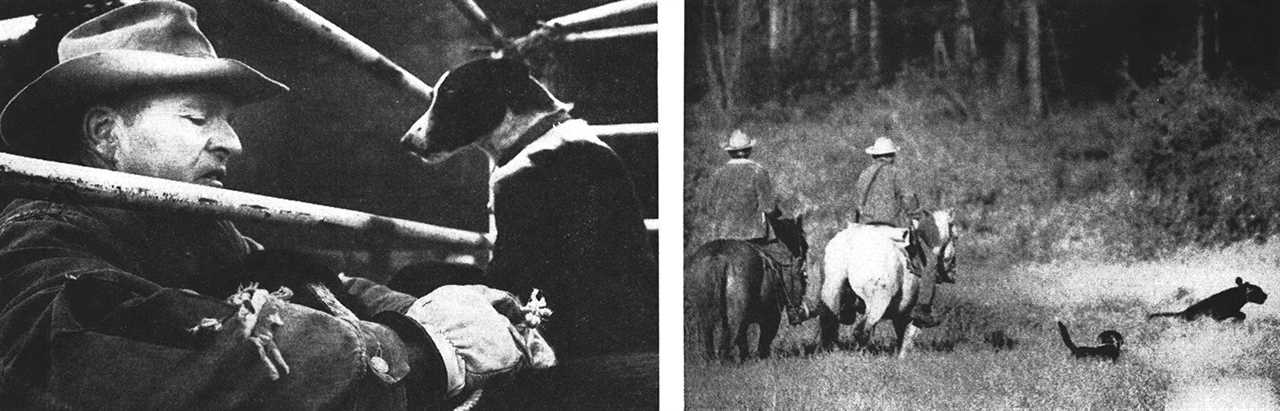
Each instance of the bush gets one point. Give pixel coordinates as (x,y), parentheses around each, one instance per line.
(1202,162)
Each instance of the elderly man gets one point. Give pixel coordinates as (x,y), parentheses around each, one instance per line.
(884,197)
(106,308)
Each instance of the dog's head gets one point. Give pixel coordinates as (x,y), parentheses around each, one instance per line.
(1111,337)
(471,102)
(1252,293)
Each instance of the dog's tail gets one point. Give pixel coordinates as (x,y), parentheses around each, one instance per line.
(1066,336)
(1155,315)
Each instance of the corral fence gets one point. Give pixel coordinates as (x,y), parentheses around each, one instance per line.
(39,179)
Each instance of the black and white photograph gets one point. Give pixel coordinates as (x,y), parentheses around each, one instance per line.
(329,204)
(981,204)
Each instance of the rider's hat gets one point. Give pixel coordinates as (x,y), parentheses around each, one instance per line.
(138,47)
(883,145)
(739,141)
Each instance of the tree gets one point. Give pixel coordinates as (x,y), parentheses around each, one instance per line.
(873,41)
(1034,92)
(966,48)
(723,36)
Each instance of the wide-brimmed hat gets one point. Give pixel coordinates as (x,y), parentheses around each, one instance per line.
(883,145)
(142,46)
(739,141)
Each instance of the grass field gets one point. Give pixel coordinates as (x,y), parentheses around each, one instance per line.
(1165,364)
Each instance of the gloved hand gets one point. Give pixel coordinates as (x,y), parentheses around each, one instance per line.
(481,333)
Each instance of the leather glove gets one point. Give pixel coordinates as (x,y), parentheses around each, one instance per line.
(482,334)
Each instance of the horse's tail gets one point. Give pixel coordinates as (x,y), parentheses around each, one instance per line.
(1066,336)
(1155,315)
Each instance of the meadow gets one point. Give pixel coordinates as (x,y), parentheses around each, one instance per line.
(1095,216)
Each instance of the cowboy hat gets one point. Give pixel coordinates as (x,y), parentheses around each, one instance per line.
(142,46)
(883,145)
(739,141)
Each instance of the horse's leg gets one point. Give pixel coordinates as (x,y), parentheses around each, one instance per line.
(828,324)
(905,333)
(876,306)
(769,323)
(827,329)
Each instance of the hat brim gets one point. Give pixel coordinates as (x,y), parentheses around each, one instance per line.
(70,86)
(749,144)
(875,151)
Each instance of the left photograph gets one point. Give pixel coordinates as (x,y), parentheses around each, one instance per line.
(322,204)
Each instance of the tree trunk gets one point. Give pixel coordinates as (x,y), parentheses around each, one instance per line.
(1197,55)
(1034,94)
(941,62)
(855,38)
(1059,81)
(777,31)
(1007,79)
(966,49)
(873,41)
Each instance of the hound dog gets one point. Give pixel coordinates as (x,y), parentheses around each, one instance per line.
(565,211)
(1223,305)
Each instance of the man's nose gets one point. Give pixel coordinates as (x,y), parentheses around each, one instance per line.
(226,141)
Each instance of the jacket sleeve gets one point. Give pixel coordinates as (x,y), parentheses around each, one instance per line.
(764,191)
(905,190)
(78,331)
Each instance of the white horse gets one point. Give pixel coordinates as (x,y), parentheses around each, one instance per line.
(865,272)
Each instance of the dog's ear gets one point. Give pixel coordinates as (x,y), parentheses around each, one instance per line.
(1239,281)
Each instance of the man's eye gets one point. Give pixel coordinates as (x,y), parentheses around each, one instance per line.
(197,120)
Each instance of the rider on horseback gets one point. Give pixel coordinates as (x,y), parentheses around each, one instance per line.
(884,197)
(741,193)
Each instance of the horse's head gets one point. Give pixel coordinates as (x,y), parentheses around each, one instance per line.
(937,231)
(790,232)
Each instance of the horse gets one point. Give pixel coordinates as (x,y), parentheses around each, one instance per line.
(865,272)
(731,284)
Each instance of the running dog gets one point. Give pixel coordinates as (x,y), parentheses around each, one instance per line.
(1223,305)
(1109,350)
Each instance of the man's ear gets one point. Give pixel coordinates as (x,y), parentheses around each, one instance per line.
(99,133)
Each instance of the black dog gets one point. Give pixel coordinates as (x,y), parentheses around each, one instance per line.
(1223,305)
(1109,350)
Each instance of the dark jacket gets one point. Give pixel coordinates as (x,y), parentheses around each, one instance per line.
(569,223)
(738,195)
(98,304)
(883,195)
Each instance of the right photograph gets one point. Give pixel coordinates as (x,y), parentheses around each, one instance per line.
(981,204)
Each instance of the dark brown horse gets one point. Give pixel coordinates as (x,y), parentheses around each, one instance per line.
(731,284)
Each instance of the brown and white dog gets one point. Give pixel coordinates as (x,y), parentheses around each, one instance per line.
(565,211)
(493,104)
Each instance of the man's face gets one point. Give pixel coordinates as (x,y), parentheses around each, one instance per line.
(179,135)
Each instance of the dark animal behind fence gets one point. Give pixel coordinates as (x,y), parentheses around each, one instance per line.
(1223,305)
(1109,350)
(731,284)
